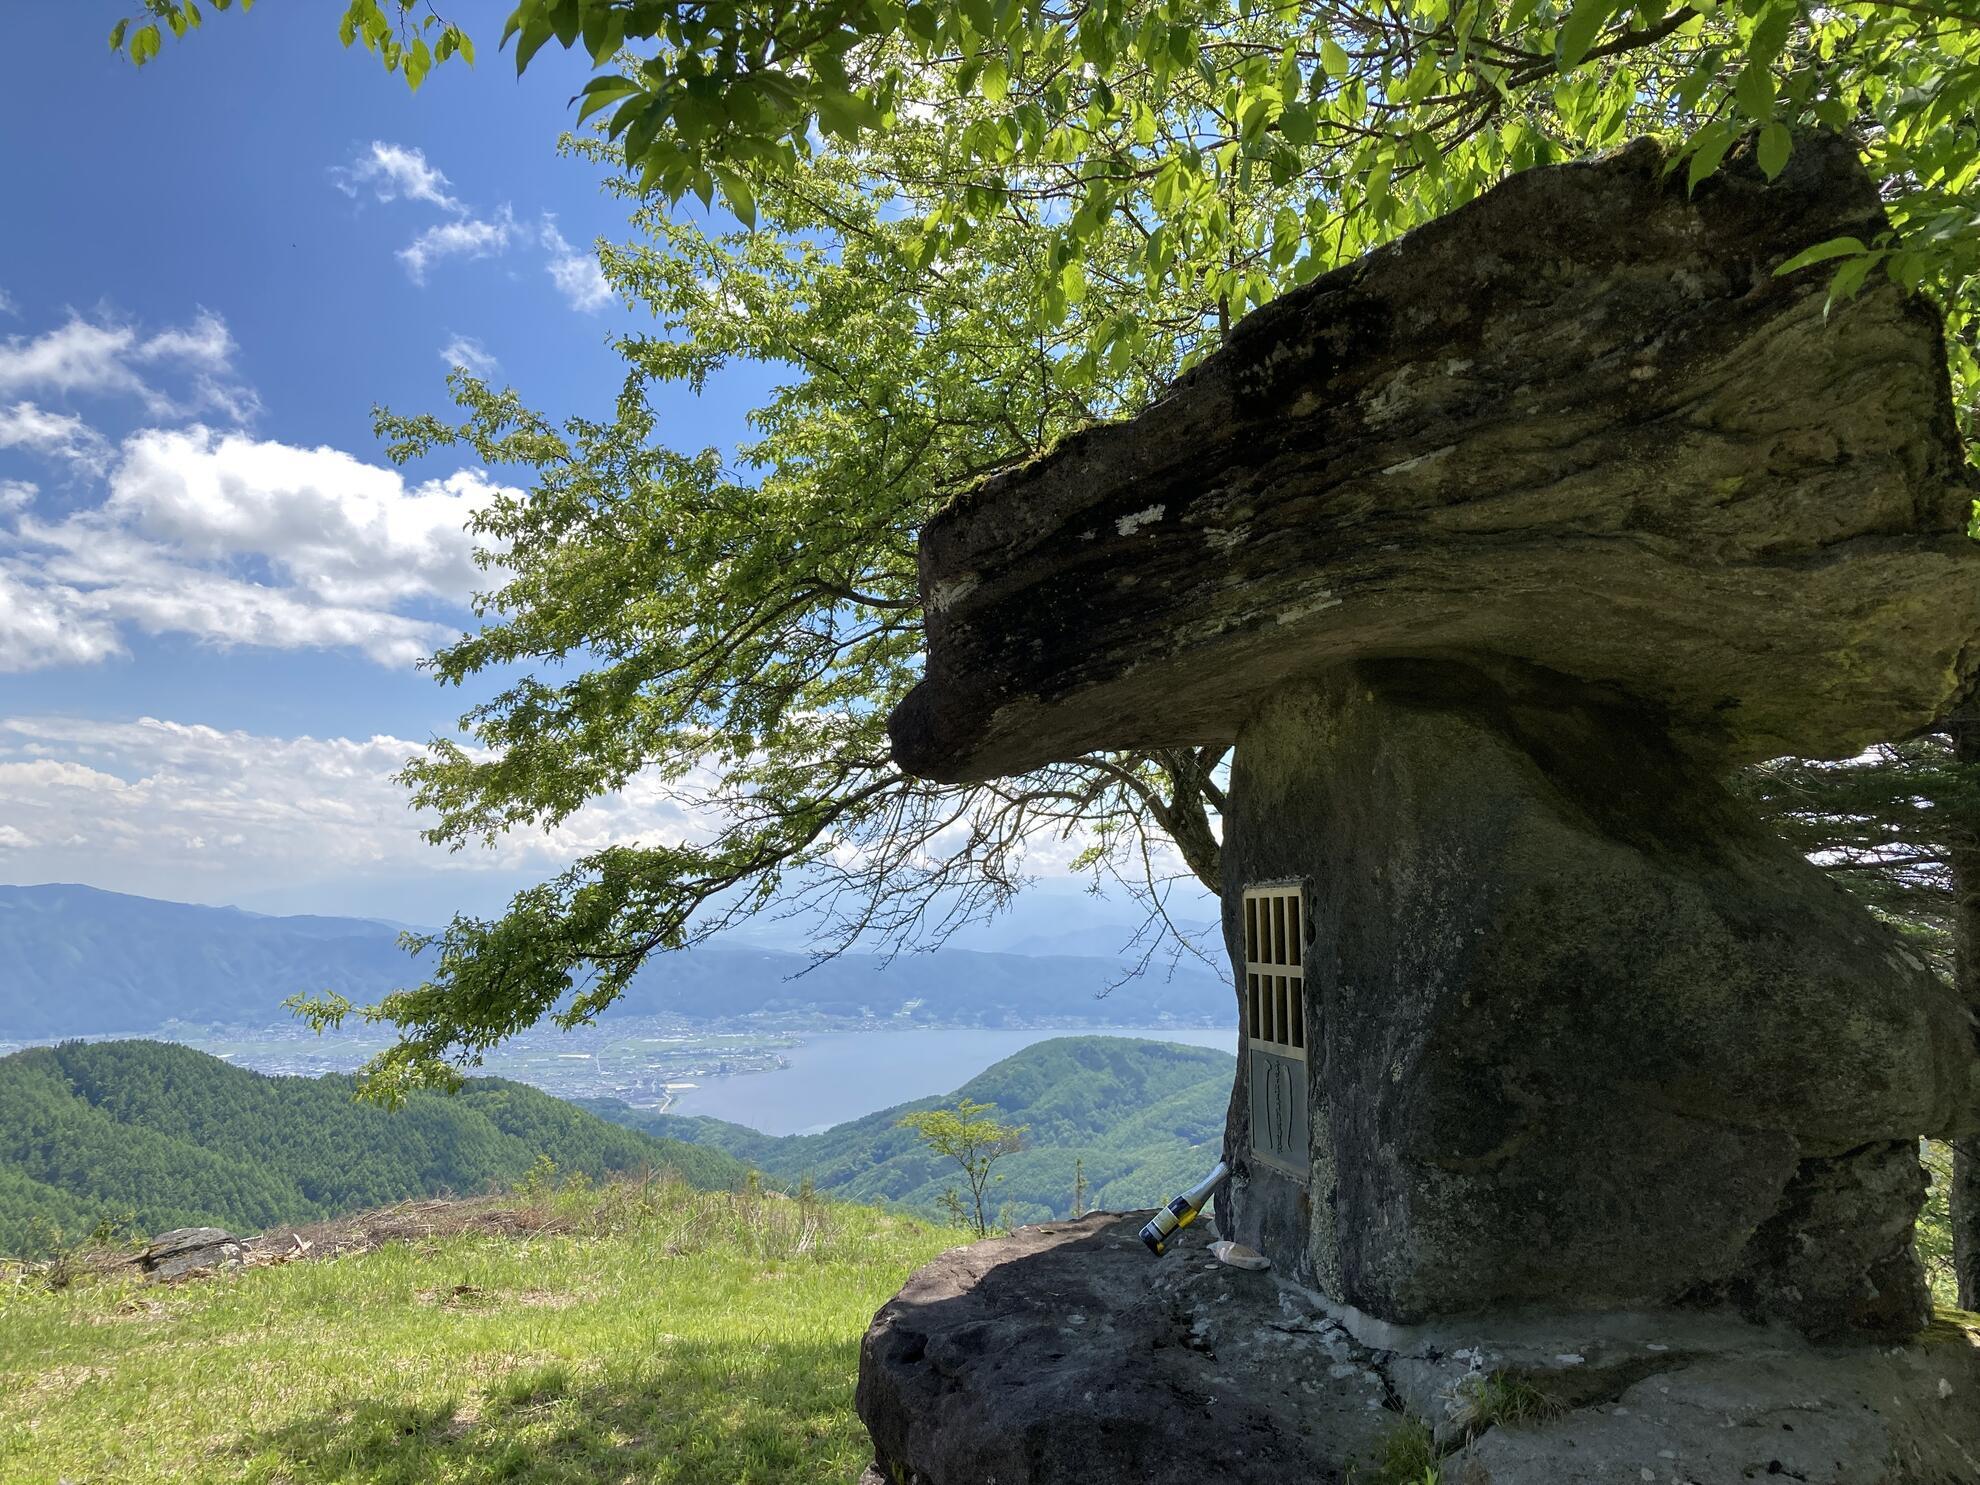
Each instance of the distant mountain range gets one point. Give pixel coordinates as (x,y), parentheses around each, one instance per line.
(171,1137)
(1145,1120)
(77,961)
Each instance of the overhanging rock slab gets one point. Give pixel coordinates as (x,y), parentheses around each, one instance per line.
(1578,423)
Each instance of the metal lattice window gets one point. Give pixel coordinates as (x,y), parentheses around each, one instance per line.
(1274,982)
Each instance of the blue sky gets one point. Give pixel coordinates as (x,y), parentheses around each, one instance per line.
(211,584)
(213,587)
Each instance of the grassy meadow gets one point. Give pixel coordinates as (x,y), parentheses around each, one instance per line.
(641,1331)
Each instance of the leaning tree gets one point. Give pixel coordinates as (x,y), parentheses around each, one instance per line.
(960,232)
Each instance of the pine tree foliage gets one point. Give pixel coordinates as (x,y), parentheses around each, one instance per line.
(1885,825)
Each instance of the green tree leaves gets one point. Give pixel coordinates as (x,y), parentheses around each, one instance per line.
(1578,32)
(1774,146)
(968,1135)
(1835,247)
(968,228)
(1379,117)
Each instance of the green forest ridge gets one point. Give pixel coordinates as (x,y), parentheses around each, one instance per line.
(1143,1119)
(162,1136)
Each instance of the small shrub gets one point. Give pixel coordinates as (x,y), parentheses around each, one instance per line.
(969,1135)
(953,1207)
(539,1181)
(116,1230)
(1409,1457)
(55,1261)
(1499,1400)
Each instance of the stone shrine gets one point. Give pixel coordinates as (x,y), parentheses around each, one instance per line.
(1492,554)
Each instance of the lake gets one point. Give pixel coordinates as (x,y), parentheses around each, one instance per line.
(836,1076)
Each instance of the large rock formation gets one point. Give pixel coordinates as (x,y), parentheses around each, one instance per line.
(1063,1356)
(1492,553)
(1592,1034)
(1578,422)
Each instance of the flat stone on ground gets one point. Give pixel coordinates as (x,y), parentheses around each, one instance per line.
(173,1254)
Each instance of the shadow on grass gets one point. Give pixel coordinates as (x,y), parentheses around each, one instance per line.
(690,1412)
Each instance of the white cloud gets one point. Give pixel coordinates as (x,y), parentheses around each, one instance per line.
(470,237)
(104,357)
(98,592)
(227,539)
(183,811)
(44,624)
(465,350)
(52,435)
(576,275)
(205,343)
(7,305)
(393,172)
(81,356)
(344,530)
(397,172)
(239,541)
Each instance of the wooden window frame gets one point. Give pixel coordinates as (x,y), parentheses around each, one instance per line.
(1274,929)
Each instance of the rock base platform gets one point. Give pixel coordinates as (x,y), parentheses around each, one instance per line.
(1064,1353)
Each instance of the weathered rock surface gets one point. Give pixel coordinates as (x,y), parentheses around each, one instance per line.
(1687,1399)
(1490,552)
(174,1254)
(1065,1354)
(1593,1035)
(1862,1418)
(1578,422)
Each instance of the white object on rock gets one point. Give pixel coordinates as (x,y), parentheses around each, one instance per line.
(1237,1255)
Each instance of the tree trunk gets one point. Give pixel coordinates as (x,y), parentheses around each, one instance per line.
(1964,726)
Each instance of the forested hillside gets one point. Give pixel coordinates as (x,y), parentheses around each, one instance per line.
(1144,1118)
(78,962)
(169,1137)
